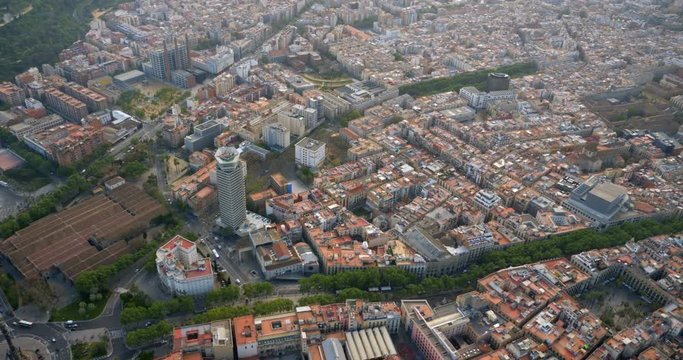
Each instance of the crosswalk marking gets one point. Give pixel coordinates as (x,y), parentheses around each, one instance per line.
(115,334)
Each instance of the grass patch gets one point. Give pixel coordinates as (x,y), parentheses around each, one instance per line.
(257,170)
(73,312)
(87,351)
(335,146)
(11,290)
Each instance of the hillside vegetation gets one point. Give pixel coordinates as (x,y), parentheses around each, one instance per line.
(38,37)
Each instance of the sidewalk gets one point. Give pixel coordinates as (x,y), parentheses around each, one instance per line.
(28,346)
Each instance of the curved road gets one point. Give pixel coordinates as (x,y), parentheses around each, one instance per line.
(109,319)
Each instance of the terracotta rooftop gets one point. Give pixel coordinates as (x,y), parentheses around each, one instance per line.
(245,330)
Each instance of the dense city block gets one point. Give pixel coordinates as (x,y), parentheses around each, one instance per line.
(341,180)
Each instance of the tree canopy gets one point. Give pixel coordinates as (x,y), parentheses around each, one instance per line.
(148,334)
(39,36)
(492,261)
(223,295)
(458,81)
(258,289)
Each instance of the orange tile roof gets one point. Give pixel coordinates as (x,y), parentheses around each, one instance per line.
(278,325)
(205,192)
(192,356)
(178,241)
(245,330)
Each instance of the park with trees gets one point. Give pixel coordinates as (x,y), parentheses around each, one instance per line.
(472,78)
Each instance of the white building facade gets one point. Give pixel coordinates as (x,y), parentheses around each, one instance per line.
(181,270)
(309,153)
(230,173)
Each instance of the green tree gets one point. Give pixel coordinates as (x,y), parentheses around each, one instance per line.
(223,295)
(257,289)
(352,293)
(351,115)
(306,175)
(133,169)
(223,312)
(634,111)
(273,306)
(149,334)
(558,246)
(146,355)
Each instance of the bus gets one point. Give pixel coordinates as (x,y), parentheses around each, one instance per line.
(25,323)
(215,253)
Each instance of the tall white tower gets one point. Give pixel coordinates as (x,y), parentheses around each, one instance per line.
(231,189)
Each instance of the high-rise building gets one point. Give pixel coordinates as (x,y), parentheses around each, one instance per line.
(497,82)
(231,188)
(316,103)
(183,79)
(163,61)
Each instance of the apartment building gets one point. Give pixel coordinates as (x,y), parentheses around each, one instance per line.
(66,144)
(11,94)
(309,153)
(211,340)
(32,126)
(479,99)
(203,135)
(93,100)
(223,83)
(276,136)
(267,336)
(67,106)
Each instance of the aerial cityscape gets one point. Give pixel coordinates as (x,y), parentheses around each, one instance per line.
(341,179)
